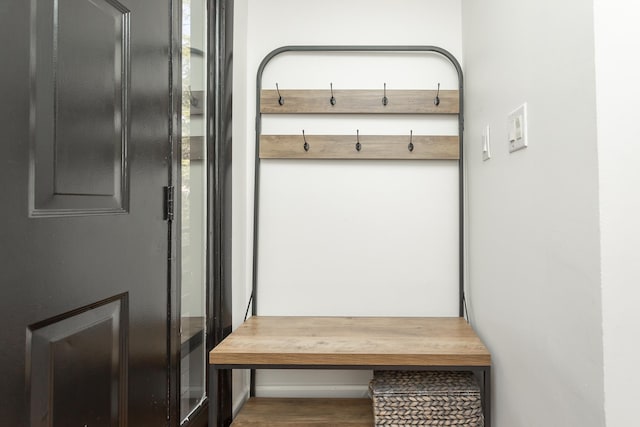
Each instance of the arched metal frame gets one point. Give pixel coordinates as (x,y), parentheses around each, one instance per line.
(373,49)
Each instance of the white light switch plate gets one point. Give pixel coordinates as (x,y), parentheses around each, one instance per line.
(517,128)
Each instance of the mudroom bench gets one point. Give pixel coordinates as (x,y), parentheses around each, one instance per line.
(371,343)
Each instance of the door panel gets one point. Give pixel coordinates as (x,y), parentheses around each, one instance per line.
(85,110)
(79,114)
(71,358)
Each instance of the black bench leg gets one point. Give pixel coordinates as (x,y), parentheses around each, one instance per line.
(486,378)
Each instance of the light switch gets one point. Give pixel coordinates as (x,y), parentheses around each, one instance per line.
(517,128)
(486,144)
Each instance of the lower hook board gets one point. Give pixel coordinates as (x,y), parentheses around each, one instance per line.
(367,147)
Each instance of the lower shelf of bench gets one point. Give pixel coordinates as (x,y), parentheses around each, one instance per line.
(285,412)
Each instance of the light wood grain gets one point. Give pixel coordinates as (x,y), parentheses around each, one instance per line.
(283,412)
(384,147)
(352,341)
(359,102)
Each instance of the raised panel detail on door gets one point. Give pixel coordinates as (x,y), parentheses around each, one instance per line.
(79,107)
(76,367)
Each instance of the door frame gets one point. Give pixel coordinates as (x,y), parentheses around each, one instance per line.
(219,143)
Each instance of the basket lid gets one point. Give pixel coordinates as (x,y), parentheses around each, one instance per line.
(424,382)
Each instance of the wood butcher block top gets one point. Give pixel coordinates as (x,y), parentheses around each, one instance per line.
(352,341)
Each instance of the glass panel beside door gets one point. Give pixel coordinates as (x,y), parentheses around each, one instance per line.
(193,208)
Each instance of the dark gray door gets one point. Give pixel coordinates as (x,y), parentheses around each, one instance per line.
(85,110)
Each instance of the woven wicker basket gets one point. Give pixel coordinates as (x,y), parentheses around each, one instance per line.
(426,398)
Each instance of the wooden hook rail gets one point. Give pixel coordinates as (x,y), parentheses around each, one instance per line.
(381,147)
(359,101)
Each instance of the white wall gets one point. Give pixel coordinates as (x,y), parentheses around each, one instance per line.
(366,238)
(384,187)
(534,240)
(618,90)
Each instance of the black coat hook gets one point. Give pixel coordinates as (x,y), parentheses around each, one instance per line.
(411,142)
(385,100)
(332,100)
(306,144)
(437,100)
(358,145)
(280,98)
